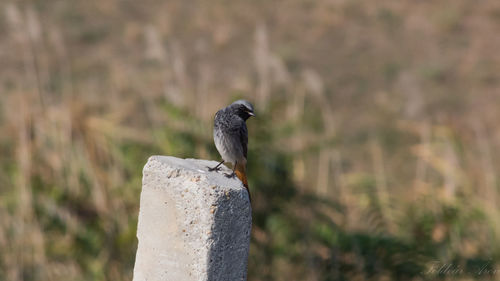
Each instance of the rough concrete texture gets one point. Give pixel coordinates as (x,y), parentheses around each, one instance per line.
(193,224)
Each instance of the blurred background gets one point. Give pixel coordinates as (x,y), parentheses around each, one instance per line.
(373,155)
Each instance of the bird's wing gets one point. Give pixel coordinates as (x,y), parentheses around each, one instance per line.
(243,132)
(238,129)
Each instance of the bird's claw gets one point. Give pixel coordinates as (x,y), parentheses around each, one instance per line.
(231,175)
(211,169)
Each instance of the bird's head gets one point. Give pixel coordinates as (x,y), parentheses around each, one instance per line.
(242,108)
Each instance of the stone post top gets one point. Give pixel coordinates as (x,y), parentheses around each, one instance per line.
(196,167)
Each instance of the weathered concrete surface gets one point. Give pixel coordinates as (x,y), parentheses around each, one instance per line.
(193,224)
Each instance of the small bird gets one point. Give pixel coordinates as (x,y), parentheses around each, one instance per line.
(231,138)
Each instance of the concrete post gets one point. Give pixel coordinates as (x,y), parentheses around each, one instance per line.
(193,224)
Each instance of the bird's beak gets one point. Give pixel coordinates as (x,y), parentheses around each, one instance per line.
(251,113)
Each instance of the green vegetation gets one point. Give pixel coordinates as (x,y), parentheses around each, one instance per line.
(372,157)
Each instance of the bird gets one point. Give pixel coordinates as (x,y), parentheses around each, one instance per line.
(231,138)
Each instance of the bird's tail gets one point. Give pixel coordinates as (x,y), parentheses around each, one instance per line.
(242,175)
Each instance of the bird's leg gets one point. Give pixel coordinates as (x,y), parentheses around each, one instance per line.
(231,175)
(216,168)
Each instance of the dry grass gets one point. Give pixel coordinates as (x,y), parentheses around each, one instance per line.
(389,109)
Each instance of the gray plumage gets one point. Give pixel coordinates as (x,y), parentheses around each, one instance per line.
(230,131)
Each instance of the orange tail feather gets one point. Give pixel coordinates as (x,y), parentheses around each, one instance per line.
(242,175)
